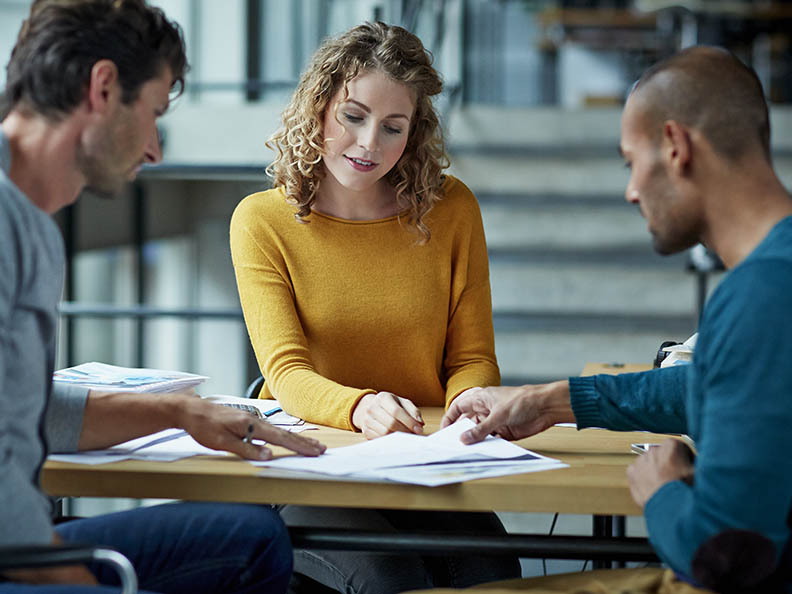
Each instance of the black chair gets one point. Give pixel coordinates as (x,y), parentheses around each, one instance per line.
(254,388)
(28,557)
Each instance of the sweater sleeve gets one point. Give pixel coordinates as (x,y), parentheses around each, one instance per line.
(23,512)
(470,343)
(64,417)
(743,467)
(648,401)
(276,333)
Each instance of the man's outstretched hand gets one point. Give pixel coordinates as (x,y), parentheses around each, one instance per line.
(511,412)
(212,425)
(225,428)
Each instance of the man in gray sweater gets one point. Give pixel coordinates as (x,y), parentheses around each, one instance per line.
(86,83)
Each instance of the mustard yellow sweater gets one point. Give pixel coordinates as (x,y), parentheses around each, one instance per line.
(337,309)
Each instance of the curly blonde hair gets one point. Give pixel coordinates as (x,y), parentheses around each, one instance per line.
(299,143)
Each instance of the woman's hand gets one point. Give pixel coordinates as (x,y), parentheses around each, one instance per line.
(382,413)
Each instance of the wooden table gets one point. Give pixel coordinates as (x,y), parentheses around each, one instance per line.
(595,482)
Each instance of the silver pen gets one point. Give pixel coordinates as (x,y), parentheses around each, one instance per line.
(249,435)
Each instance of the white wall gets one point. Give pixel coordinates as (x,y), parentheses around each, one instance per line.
(12,13)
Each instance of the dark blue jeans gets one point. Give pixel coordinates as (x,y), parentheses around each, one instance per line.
(193,548)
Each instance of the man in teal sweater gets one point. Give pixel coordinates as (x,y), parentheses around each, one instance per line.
(696,137)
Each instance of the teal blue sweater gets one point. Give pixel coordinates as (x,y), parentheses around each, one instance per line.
(735,401)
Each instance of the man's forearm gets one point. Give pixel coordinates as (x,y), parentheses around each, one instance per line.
(554,402)
(113,418)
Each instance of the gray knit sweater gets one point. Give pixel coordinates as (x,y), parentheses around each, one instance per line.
(31,280)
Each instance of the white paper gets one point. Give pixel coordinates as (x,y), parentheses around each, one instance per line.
(101,376)
(393,452)
(680,354)
(169,446)
(164,446)
(434,475)
(90,458)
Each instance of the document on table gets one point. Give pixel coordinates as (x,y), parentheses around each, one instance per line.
(436,459)
(101,376)
(163,446)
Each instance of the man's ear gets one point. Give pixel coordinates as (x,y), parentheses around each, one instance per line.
(103,87)
(677,148)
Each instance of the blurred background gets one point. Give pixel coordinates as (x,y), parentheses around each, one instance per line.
(531,107)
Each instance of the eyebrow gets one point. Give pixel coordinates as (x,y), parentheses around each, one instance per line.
(367,109)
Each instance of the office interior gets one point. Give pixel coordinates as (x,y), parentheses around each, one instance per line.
(531,110)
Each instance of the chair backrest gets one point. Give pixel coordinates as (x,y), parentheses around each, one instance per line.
(254,389)
(52,555)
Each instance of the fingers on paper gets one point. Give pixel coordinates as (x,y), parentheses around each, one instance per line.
(489,424)
(452,414)
(469,403)
(255,451)
(297,443)
(231,440)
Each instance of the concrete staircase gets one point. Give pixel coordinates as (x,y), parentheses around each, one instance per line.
(574,277)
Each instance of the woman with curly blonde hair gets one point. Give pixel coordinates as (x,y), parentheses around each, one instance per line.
(300,144)
(376,299)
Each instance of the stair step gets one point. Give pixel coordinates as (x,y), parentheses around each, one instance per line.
(558,174)
(542,355)
(589,287)
(546,226)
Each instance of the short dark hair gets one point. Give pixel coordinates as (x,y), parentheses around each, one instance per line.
(710,89)
(61,40)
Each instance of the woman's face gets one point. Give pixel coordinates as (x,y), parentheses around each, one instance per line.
(365,132)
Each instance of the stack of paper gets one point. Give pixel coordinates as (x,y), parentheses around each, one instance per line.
(110,378)
(164,446)
(437,459)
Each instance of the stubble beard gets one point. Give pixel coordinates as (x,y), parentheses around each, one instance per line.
(679,235)
(678,228)
(100,179)
(97,164)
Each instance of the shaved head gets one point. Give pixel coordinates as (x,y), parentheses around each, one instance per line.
(710,90)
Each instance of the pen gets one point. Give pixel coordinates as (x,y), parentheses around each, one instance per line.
(249,435)
(272,411)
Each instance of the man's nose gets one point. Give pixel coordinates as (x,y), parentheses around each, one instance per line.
(154,148)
